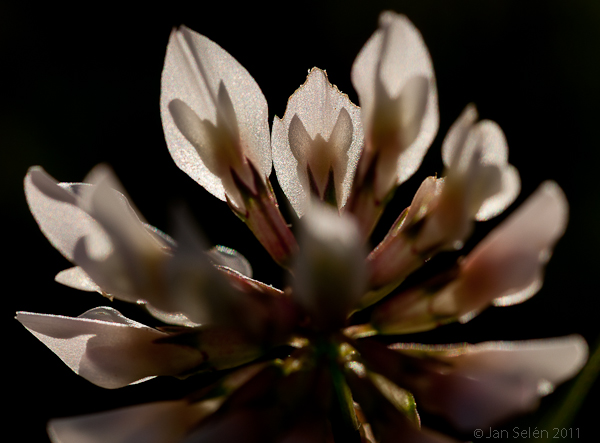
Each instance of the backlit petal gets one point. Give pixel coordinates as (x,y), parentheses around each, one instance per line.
(320,129)
(108,349)
(201,82)
(394,56)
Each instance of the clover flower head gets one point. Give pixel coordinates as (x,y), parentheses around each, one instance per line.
(306,362)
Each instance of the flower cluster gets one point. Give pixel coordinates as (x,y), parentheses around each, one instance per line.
(296,364)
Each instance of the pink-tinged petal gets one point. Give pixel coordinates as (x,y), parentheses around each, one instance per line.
(507,266)
(394,56)
(214,114)
(504,269)
(396,256)
(108,349)
(548,360)
(321,129)
(329,270)
(119,255)
(163,422)
(481,385)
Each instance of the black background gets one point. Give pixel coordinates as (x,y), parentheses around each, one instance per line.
(81,86)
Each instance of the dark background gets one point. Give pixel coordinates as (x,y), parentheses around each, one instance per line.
(81,86)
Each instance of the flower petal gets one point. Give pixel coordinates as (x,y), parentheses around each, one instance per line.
(77,278)
(507,265)
(464,138)
(321,129)
(480,385)
(393,56)
(395,257)
(108,349)
(505,268)
(55,209)
(201,82)
(478,184)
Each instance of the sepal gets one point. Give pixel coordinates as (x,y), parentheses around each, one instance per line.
(262,215)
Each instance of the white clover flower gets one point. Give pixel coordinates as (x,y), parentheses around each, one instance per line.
(297,364)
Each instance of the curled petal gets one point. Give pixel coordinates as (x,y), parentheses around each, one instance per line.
(479,182)
(108,349)
(214,114)
(320,134)
(464,139)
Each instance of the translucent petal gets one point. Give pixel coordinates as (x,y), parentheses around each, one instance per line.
(132,266)
(479,385)
(196,72)
(504,269)
(393,55)
(484,139)
(108,349)
(55,209)
(170,318)
(77,278)
(321,127)
(509,262)
(511,186)
(555,360)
